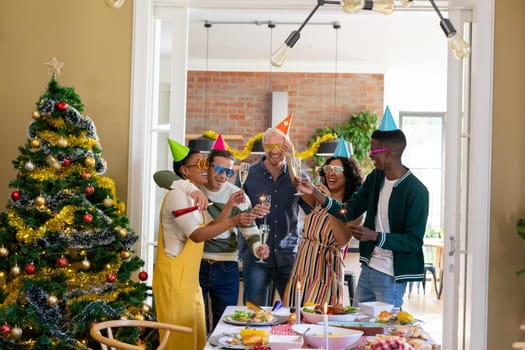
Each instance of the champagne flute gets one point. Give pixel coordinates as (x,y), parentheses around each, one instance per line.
(244,169)
(296,169)
(263,233)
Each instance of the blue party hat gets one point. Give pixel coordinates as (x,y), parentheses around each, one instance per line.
(387,123)
(342,149)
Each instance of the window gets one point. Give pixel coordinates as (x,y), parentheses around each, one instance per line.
(424,156)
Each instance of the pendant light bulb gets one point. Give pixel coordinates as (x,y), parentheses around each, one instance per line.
(352,6)
(385,7)
(116,4)
(279,56)
(459,47)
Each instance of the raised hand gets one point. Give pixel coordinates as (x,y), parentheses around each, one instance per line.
(303,185)
(260,210)
(244,219)
(236,198)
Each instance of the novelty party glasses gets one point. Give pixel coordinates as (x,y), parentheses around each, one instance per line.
(335,168)
(219,169)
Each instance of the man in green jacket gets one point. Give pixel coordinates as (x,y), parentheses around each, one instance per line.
(391,237)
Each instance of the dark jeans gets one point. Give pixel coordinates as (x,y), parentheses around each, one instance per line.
(219,280)
(257,278)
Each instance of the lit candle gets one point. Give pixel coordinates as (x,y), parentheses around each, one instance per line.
(325,325)
(298,303)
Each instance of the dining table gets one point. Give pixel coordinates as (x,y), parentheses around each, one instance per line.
(281,327)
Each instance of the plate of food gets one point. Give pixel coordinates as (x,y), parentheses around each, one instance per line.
(337,312)
(259,318)
(401,318)
(244,339)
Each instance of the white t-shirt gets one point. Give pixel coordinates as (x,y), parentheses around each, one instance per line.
(176,231)
(383,259)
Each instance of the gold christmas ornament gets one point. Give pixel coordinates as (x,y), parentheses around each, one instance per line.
(62,142)
(15,271)
(52,300)
(4,251)
(2,278)
(29,166)
(85,264)
(146,308)
(35,143)
(40,201)
(16,332)
(125,254)
(36,115)
(139,317)
(107,202)
(89,161)
(123,232)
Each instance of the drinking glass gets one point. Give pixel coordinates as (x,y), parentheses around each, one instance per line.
(244,169)
(296,169)
(264,229)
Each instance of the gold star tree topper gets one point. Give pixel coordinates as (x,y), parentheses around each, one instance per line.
(54,66)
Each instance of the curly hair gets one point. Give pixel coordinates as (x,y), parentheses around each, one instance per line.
(178,164)
(352,172)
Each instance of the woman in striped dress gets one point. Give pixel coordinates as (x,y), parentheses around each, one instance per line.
(319,263)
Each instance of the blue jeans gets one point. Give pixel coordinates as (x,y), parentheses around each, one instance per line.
(377,286)
(221,281)
(258,278)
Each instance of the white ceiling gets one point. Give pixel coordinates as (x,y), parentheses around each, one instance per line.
(367,41)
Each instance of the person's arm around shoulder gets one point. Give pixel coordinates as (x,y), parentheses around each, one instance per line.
(192,191)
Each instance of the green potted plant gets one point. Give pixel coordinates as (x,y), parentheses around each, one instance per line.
(357,130)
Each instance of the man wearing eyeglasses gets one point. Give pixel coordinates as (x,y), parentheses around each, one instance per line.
(270,176)
(391,238)
(219,271)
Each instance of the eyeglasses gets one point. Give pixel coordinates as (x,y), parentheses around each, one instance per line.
(268,147)
(201,164)
(219,169)
(335,168)
(377,150)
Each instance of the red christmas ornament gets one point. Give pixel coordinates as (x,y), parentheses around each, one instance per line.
(5,329)
(66,162)
(30,269)
(87,218)
(111,277)
(89,190)
(62,262)
(143,275)
(86,175)
(15,195)
(61,106)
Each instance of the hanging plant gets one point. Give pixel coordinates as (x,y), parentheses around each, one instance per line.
(357,130)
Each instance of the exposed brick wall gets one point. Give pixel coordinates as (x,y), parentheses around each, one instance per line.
(240,102)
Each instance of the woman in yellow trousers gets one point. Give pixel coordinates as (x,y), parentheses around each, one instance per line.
(177,294)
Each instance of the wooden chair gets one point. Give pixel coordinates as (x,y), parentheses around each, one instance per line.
(114,344)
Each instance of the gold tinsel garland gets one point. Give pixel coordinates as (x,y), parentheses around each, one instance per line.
(241,155)
(26,234)
(72,141)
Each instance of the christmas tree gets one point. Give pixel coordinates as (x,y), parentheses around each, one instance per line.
(66,255)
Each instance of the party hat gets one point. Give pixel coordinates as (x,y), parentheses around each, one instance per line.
(387,123)
(219,144)
(342,149)
(284,125)
(178,151)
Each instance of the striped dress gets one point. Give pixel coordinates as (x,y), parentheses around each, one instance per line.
(319,263)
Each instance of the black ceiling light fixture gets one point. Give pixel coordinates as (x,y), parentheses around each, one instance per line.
(201,143)
(458,46)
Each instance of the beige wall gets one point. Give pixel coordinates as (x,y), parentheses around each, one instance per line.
(94,42)
(507,250)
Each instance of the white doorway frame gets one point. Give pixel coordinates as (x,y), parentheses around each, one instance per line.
(139,184)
